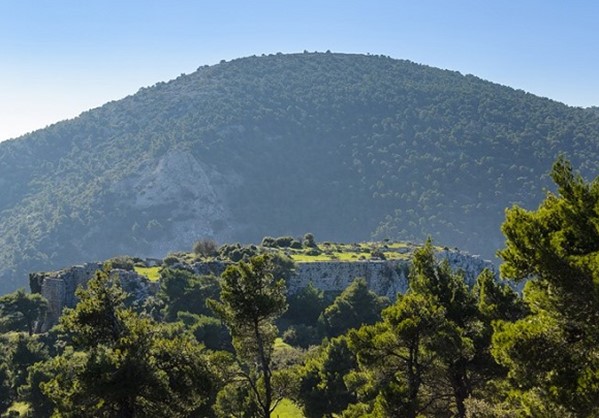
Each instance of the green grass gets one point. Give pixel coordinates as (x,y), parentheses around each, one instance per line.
(351,252)
(279,343)
(22,408)
(152,273)
(287,409)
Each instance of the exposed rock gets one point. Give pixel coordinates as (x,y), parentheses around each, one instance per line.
(185,192)
(385,277)
(59,288)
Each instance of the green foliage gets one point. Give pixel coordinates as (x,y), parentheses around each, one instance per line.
(24,351)
(121,262)
(377,147)
(183,291)
(497,301)
(401,351)
(430,352)
(208,330)
(252,298)
(300,320)
(323,390)
(305,306)
(309,240)
(124,365)
(237,252)
(6,392)
(205,248)
(356,306)
(552,354)
(19,311)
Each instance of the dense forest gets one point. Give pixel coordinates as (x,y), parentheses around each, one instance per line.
(238,346)
(350,147)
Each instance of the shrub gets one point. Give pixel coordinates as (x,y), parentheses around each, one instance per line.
(284,242)
(268,242)
(121,262)
(301,335)
(312,251)
(309,240)
(205,247)
(170,260)
(295,244)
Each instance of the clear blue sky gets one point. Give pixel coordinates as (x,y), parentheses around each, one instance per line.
(59,58)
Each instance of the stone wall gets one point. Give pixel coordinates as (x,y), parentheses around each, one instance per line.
(385,277)
(59,288)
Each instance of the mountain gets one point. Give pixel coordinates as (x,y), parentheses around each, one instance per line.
(349,147)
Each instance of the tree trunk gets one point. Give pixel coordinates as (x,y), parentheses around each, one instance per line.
(267,401)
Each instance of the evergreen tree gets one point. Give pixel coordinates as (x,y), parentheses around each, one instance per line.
(19,310)
(251,300)
(552,354)
(120,364)
(323,391)
(354,307)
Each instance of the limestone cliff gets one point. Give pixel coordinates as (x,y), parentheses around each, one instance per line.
(385,277)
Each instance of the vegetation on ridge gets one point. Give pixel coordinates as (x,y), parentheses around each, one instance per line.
(351,147)
(442,349)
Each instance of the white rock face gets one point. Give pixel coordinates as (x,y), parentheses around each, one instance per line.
(386,278)
(470,265)
(185,191)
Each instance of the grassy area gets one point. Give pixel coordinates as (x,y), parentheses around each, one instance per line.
(152,273)
(287,409)
(22,408)
(279,343)
(353,252)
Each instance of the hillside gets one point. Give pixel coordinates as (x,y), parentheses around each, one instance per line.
(349,147)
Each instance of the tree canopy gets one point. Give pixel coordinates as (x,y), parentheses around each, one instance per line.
(346,146)
(552,353)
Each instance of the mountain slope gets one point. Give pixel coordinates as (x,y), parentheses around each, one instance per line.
(346,146)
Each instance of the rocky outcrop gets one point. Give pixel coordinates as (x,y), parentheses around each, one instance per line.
(59,288)
(160,188)
(385,277)
(470,265)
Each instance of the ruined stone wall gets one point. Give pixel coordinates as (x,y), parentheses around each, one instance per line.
(385,277)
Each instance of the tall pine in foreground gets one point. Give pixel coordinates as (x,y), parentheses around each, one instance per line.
(430,352)
(553,354)
(252,298)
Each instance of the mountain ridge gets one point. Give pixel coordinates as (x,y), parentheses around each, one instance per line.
(347,146)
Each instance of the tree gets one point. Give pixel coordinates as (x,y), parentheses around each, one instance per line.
(464,353)
(120,364)
(205,247)
(323,390)
(397,357)
(430,353)
(251,300)
(300,320)
(6,392)
(19,310)
(553,354)
(356,306)
(183,291)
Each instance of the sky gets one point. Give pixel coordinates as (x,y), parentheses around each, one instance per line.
(62,57)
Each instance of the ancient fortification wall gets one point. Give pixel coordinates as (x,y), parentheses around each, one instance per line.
(386,278)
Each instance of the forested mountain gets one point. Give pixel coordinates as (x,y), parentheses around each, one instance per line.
(349,147)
